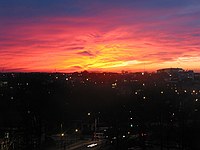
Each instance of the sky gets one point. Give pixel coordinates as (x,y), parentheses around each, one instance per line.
(99,35)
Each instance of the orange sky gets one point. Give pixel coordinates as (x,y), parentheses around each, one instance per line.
(99,37)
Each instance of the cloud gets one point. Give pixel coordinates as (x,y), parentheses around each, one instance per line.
(75,48)
(117,33)
(85,53)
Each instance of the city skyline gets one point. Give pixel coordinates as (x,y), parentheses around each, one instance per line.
(114,35)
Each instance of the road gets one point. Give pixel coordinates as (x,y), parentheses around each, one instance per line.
(95,145)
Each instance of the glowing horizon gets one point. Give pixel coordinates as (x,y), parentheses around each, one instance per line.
(99,35)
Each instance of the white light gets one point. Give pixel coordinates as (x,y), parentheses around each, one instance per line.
(92,145)
(89,114)
(62,134)
(123,136)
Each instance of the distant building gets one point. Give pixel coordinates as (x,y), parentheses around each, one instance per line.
(3,84)
(177,74)
(197,76)
(170,70)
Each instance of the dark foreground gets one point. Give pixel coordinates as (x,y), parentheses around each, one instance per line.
(125,111)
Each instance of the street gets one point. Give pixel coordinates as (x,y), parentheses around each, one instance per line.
(92,145)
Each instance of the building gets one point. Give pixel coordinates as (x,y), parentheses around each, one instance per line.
(170,70)
(176,74)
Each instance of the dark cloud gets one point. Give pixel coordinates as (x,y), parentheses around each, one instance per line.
(77,67)
(196,35)
(13,69)
(85,53)
(75,48)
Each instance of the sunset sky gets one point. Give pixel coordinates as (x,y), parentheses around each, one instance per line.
(99,35)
